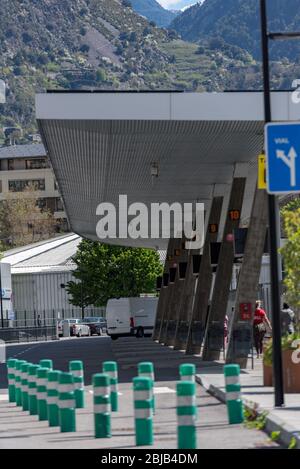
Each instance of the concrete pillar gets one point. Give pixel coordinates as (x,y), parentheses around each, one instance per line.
(174,299)
(185,305)
(172,260)
(240,338)
(197,318)
(162,296)
(214,338)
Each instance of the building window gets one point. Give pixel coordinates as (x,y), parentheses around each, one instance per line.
(10,165)
(21,184)
(59,205)
(37,163)
(41,203)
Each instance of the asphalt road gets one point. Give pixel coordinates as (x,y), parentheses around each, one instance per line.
(20,430)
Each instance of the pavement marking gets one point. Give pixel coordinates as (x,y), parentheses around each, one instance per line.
(3,397)
(26,350)
(163,390)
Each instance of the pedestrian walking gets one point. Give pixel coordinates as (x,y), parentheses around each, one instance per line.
(260,323)
(226,321)
(288,320)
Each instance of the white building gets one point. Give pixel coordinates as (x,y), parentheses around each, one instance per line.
(24,165)
(38,272)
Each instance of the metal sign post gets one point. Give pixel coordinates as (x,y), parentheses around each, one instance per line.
(273,223)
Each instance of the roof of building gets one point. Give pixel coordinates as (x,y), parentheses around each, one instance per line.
(31,150)
(54,255)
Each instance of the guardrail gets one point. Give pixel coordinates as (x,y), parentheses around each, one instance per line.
(28,334)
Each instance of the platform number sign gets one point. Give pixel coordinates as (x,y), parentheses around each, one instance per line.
(234,215)
(213,228)
(262,172)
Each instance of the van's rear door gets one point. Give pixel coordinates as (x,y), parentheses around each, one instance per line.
(118,316)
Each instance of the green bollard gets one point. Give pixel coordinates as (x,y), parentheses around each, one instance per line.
(46,363)
(187,372)
(146,370)
(233,394)
(18,382)
(76,368)
(11,368)
(41,393)
(24,385)
(52,398)
(32,389)
(111,369)
(66,403)
(143,412)
(102,406)
(186,415)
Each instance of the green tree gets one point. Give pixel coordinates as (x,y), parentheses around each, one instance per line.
(291,251)
(106,271)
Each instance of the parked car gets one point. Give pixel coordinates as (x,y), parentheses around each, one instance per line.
(81,329)
(77,327)
(131,316)
(60,324)
(97,325)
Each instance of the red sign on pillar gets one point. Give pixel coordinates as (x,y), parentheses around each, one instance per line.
(245,311)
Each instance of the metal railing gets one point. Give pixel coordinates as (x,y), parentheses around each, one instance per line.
(35,318)
(28,334)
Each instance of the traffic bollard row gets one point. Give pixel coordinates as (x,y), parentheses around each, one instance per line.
(41,394)
(102,405)
(18,382)
(143,412)
(233,394)
(146,370)
(24,385)
(52,398)
(11,368)
(32,389)
(186,415)
(46,363)
(66,403)
(76,368)
(111,369)
(187,372)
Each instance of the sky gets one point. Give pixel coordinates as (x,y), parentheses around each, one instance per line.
(176,4)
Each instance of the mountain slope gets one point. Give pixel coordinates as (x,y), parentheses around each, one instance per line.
(153,11)
(103,44)
(238,23)
(78,44)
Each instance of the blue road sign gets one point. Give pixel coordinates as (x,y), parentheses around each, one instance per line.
(282,142)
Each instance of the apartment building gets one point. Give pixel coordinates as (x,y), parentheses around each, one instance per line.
(24,165)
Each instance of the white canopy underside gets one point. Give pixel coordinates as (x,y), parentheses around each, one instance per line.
(102,145)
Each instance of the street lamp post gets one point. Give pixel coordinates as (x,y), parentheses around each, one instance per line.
(1,299)
(2,101)
(273,226)
(273,211)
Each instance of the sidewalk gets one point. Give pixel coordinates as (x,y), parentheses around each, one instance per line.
(286,420)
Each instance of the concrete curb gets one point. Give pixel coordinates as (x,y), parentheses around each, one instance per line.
(273,423)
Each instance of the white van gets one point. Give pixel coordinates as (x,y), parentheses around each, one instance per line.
(131,316)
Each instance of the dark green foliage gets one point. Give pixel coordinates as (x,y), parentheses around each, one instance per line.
(105,271)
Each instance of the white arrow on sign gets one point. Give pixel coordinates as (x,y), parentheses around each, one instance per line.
(290,161)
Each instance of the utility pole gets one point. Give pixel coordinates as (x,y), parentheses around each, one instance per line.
(273,227)
(1,299)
